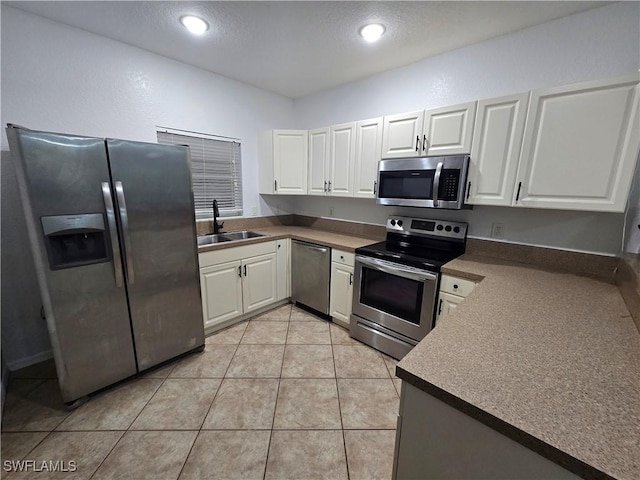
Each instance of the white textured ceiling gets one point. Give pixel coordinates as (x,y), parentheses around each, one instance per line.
(299,48)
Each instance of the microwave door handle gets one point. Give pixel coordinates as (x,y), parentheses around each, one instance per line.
(397,270)
(436,183)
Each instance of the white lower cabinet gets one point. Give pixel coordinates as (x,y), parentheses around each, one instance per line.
(259,285)
(283,260)
(453,291)
(237,281)
(341,291)
(221,293)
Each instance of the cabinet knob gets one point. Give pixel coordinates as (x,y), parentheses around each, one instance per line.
(455,286)
(341,257)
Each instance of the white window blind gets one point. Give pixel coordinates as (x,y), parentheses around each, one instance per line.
(216,171)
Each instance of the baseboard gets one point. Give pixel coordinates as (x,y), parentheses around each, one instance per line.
(30,360)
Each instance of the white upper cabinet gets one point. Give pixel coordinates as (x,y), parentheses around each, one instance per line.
(401,135)
(495,150)
(448,130)
(283,162)
(580,146)
(438,131)
(341,159)
(368,153)
(318,161)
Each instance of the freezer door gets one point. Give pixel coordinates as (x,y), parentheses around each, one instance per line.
(154,199)
(74,243)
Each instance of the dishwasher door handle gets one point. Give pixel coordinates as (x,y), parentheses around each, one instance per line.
(313,247)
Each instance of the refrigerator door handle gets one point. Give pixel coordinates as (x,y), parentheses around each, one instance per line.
(124,220)
(113,234)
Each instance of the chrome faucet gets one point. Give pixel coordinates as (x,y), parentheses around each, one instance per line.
(216,213)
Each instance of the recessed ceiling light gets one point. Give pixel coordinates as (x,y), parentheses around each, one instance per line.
(195,25)
(372,32)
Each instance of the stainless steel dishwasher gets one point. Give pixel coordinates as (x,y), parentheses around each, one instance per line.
(310,275)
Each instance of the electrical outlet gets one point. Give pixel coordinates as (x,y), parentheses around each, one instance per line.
(497,230)
(332,211)
(254,211)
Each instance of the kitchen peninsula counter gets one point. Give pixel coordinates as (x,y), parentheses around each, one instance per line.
(549,359)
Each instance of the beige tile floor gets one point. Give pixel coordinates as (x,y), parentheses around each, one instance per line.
(285,395)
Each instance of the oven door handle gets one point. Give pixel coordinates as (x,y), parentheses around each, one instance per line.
(398,270)
(436,183)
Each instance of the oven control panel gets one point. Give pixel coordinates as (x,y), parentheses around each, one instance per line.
(425,226)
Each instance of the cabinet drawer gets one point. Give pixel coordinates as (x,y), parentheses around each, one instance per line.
(345,258)
(456,286)
(232,254)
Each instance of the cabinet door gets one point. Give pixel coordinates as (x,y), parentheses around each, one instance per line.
(341,159)
(290,161)
(448,130)
(402,135)
(259,281)
(447,304)
(341,293)
(495,150)
(318,161)
(580,146)
(283,269)
(221,287)
(368,153)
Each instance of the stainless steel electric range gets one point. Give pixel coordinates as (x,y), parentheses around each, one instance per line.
(396,282)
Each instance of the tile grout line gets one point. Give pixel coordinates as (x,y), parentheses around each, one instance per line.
(275,406)
(204,418)
(344,440)
(132,422)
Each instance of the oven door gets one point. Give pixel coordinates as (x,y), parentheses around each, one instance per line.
(398,297)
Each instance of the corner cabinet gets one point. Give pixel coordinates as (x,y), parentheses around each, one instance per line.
(580,146)
(341,291)
(437,131)
(236,281)
(283,162)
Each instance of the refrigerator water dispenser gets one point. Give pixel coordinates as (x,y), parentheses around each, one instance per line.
(75,240)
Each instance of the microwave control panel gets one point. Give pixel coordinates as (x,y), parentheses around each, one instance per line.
(449,182)
(423,226)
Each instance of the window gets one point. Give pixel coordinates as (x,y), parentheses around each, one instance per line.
(216,170)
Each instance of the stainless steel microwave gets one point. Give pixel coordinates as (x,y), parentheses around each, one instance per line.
(432,182)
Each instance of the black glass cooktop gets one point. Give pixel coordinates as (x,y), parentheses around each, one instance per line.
(428,255)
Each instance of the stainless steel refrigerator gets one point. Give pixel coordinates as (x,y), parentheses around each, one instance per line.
(112,229)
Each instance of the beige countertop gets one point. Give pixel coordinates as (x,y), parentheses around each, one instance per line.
(330,239)
(550,359)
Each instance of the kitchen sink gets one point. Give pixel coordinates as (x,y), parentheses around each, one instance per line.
(241,235)
(227,237)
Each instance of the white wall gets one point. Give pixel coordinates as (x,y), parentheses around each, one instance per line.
(595,44)
(60,78)
(64,79)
